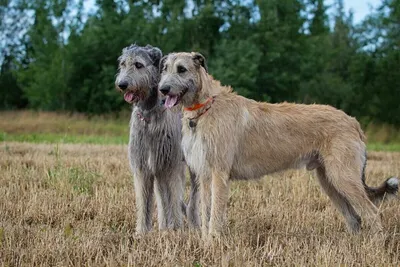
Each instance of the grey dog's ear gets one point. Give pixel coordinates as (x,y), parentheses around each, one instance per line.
(154,53)
(200,60)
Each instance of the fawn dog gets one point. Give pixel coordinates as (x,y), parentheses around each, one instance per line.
(229,137)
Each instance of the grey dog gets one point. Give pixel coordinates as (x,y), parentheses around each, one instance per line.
(155,154)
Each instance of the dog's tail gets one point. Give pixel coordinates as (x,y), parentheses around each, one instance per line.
(387,188)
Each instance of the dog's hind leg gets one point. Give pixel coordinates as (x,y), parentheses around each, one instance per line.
(144,201)
(344,171)
(194,201)
(169,195)
(353,220)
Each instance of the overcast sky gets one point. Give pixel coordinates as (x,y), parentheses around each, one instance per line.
(360,7)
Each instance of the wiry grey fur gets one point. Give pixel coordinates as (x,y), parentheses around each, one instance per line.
(155,154)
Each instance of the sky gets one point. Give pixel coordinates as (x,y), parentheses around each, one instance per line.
(360,7)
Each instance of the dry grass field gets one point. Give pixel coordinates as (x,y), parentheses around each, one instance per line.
(73,205)
(54,127)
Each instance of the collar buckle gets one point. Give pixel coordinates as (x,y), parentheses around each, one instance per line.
(192,122)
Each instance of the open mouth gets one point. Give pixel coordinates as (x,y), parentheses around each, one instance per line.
(132,97)
(173,100)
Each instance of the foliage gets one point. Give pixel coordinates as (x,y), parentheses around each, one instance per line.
(60,56)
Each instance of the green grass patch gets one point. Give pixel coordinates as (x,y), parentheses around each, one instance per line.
(55,138)
(391,147)
(75,179)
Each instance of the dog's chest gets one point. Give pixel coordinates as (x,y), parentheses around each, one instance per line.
(194,149)
(154,147)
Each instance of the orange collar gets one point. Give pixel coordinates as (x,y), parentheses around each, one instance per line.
(192,121)
(199,105)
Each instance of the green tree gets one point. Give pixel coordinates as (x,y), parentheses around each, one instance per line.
(319,24)
(236,64)
(374,73)
(280,38)
(11,95)
(58,57)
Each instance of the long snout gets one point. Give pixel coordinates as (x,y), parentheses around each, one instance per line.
(165,89)
(122,81)
(165,84)
(122,85)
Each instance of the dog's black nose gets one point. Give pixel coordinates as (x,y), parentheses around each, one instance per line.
(165,89)
(123,85)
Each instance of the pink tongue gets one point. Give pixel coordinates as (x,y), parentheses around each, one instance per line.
(171,101)
(128,96)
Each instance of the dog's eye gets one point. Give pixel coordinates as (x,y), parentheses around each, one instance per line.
(122,64)
(138,65)
(181,69)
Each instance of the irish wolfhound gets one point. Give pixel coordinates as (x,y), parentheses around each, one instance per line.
(155,154)
(228,137)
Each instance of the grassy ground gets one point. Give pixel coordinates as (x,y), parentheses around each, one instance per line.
(49,127)
(67,199)
(65,204)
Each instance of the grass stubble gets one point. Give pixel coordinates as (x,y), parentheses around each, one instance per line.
(73,205)
(65,204)
(112,129)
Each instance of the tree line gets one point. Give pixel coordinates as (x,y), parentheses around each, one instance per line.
(56,55)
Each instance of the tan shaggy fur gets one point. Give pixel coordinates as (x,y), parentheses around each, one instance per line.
(235,138)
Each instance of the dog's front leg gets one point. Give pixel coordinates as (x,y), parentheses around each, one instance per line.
(219,201)
(194,199)
(144,201)
(205,190)
(169,196)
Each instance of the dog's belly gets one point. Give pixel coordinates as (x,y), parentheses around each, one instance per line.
(247,170)
(256,164)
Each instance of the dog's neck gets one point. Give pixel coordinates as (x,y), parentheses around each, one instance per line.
(150,102)
(210,87)
(148,109)
(202,95)
(203,101)
(194,112)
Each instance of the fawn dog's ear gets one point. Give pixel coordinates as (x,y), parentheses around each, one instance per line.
(162,64)
(199,60)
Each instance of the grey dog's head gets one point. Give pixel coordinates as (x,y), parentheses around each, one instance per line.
(138,72)
(181,77)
